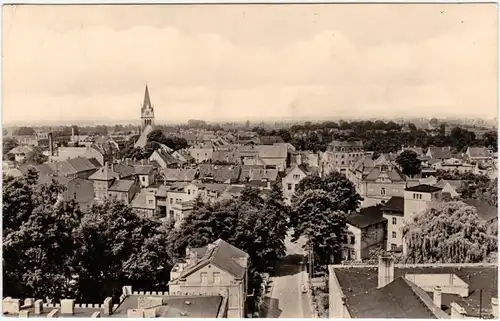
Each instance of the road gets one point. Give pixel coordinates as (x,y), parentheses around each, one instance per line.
(286,299)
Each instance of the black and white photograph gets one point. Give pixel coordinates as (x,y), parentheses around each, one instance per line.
(327,160)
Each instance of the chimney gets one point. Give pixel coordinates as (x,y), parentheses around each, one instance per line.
(298,158)
(494,307)
(108,306)
(68,306)
(385,271)
(457,312)
(438,296)
(38,307)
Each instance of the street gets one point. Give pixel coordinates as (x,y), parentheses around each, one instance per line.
(286,299)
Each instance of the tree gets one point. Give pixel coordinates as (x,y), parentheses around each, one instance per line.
(491,140)
(319,211)
(450,232)
(409,162)
(35,157)
(461,138)
(24,131)
(8,144)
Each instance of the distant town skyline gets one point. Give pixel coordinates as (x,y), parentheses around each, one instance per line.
(248,62)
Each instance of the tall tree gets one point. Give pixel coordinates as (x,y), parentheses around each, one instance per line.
(491,140)
(449,232)
(319,211)
(8,143)
(409,162)
(35,157)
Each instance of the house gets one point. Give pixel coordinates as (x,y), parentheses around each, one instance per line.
(219,266)
(131,304)
(453,164)
(416,201)
(103,179)
(227,174)
(123,190)
(171,175)
(478,154)
(146,174)
(393,212)
(366,230)
(29,140)
(65,153)
(183,156)
(293,177)
(78,189)
(271,156)
(449,188)
(202,153)
(485,211)
(144,203)
(270,140)
(377,180)
(164,159)
(340,155)
(20,152)
(309,159)
(441,153)
(415,291)
(76,167)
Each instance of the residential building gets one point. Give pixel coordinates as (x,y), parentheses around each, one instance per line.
(393,212)
(65,153)
(20,152)
(227,174)
(78,189)
(366,231)
(416,201)
(131,304)
(172,175)
(478,154)
(340,155)
(217,267)
(377,180)
(453,164)
(293,177)
(146,174)
(413,291)
(123,190)
(174,202)
(202,153)
(486,212)
(164,159)
(144,203)
(270,140)
(306,158)
(450,188)
(441,153)
(270,156)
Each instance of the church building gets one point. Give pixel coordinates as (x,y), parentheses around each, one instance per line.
(147,120)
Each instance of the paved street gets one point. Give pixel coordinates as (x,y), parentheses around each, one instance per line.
(286,299)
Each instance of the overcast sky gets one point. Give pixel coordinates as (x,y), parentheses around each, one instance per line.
(249,61)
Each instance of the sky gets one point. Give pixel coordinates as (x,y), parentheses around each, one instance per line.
(256,62)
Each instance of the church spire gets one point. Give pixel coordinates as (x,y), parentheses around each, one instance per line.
(147,100)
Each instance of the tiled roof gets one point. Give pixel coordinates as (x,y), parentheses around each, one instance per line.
(63,168)
(272,151)
(104,174)
(141,201)
(368,216)
(143,169)
(21,150)
(400,299)
(218,188)
(257,173)
(423,188)
(480,152)
(356,280)
(484,210)
(82,164)
(121,185)
(440,152)
(270,140)
(223,255)
(220,173)
(394,174)
(179,175)
(166,157)
(395,204)
(200,306)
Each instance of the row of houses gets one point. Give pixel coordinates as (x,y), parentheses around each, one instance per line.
(211,282)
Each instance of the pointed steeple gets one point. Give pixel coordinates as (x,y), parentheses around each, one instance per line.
(147,100)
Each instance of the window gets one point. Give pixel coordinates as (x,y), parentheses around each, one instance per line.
(344,239)
(171,212)
(353,240)
(203,278)
(342,156)
(74,195)
(296,177)
(189,192)
(393,220)
(143,178)
(393,235)
(171,200)
(216,278)
(289,186)
(417,196)
(393,247)
(382,191)
(150,201)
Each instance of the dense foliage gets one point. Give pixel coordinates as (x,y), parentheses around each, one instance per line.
(319,212)
(53,250)
(409,162)
(449,232)
(154,139)
(35,157)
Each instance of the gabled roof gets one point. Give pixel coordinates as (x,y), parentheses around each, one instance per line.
(121,185)
(124,170)
(141,201)
(104,174)
(394,174)
(62,168)
(484,210)
(179,175)
(399,299)
(21,150)
(423,188)
(355,280)
(368,216)
(272,151)
(395,204)
(221,254)
(479,152)
(440,152)
(82,164)
(220,173)
(143,169)
(166,157)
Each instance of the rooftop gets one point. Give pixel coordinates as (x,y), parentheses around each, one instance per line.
(423,188)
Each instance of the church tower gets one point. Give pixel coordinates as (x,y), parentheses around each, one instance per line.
(147,111)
